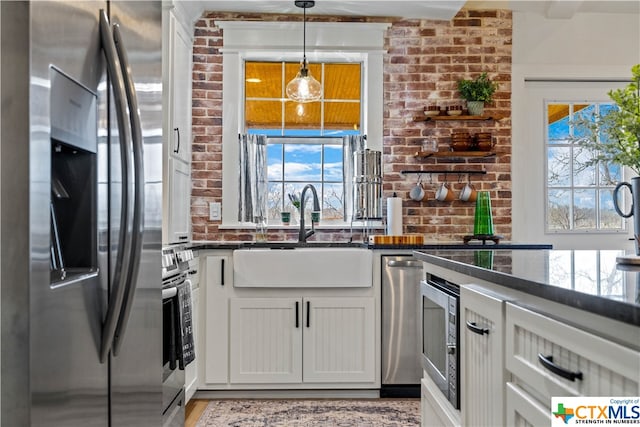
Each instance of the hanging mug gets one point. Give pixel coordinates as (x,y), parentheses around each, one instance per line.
(634,211)
(444,194)
(417,192)
(468,193)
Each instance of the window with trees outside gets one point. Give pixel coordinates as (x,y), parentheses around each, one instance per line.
(579,195)
(304,140)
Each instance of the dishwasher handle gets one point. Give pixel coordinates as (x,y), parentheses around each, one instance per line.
(406,263)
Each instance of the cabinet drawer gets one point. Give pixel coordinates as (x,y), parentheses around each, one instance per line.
(576,362)
(523,410)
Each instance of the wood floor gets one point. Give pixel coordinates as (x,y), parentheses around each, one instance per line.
(193,411)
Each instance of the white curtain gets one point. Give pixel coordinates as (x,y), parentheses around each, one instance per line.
(350,144)
(253,178)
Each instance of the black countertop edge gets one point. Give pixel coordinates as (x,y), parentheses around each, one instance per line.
(272,245)
(470,246)
(612,309)
(430,246)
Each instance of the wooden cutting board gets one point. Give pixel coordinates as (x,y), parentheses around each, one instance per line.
(404,239)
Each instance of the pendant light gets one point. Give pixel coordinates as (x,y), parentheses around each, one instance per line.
(304,88)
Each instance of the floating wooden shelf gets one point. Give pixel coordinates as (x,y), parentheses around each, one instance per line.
(445,172)
(441,154)
(423,118)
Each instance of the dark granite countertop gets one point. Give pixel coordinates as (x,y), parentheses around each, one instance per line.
(590,280)
(338,244)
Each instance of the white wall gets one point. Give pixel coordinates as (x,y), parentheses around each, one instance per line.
(584,47)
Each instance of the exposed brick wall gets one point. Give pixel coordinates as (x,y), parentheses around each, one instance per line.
(425,60)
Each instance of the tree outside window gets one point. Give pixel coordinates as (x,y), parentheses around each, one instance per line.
(579,192)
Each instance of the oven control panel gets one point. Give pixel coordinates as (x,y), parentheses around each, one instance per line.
(176,259)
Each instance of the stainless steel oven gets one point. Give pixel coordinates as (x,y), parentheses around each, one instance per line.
(172,375)
(440,332)
(175,268)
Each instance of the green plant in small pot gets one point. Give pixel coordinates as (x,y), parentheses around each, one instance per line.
(476,92)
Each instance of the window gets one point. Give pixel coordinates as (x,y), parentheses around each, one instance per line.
(268,111)
(579,195)
(295,162)
(304,144)
(359,43)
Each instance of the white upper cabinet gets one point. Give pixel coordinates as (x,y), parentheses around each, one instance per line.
(177,70)
(180,91)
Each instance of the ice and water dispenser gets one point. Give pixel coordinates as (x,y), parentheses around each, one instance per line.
(73,115)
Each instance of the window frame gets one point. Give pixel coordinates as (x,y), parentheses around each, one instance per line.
(531,86)
(572,187)
(262,41)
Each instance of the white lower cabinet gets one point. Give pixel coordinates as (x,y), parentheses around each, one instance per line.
(302,340)
(339,340)
(218,284)
(267,338)
(523,410)
(191,370)
(482,357)
(514,359)
(555,359)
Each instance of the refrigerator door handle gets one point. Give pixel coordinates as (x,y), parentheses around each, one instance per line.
(123,257)
(137,156)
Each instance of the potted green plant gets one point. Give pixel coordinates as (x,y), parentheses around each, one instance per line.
(477,92)
(614,137)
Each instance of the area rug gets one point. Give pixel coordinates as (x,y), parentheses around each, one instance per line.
(312,413)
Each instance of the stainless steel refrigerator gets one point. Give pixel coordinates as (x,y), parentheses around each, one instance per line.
(80,213)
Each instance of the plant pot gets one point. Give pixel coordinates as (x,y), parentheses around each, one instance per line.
(475,108)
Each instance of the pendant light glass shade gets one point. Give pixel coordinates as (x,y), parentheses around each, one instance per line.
(304,88)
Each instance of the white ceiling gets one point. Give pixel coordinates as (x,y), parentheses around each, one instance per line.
(416,9)
(427,9)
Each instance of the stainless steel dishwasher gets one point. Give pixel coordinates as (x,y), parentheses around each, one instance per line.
(401,369)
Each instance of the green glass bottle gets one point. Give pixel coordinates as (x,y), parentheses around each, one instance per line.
(483,221)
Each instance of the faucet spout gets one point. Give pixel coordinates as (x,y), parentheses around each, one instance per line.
(304,234)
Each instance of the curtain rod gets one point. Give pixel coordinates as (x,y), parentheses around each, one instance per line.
(576,80)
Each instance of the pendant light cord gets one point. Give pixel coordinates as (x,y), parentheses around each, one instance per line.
(304,36)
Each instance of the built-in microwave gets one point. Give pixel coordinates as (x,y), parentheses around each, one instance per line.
(440,332)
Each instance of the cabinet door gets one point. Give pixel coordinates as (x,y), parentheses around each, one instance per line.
(179,201)
(218,280)
(482,357)
(339,340)
(181,71)
(267,340)
(191,370)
